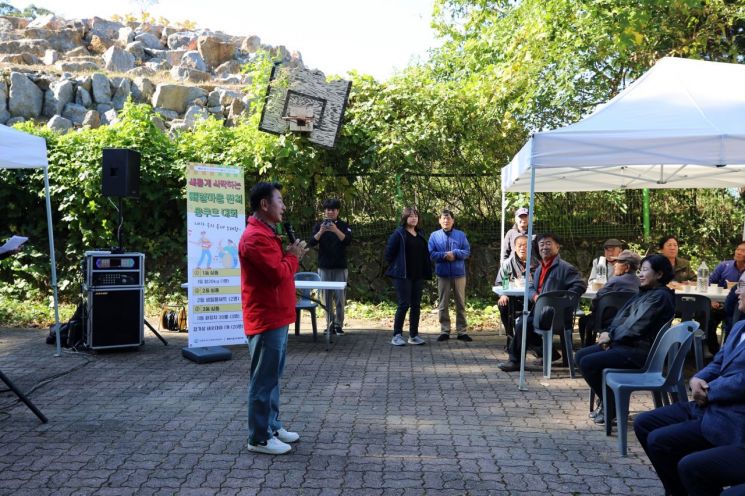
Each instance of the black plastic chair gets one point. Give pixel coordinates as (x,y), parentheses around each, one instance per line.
(606,308)
(688,307)
(563,304)
(306,303)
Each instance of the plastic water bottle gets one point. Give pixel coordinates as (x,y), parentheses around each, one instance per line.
(506,274)
(702,278)
(602,275)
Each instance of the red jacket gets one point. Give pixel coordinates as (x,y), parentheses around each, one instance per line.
(267,279)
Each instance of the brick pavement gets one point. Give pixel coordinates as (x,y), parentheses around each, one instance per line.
(438,419)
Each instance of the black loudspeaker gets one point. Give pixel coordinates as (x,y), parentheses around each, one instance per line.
(115,318)
(121,172)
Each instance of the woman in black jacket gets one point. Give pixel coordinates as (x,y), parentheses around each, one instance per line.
(409,266)
(628,339)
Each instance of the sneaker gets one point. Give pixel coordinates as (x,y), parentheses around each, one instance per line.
(338,330)
(508,366)
(443,337)
(398,340)
(271,446)
(597,412)
(286,436)
(416,340)
(465,337)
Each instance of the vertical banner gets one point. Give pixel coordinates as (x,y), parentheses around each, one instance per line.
(215,220)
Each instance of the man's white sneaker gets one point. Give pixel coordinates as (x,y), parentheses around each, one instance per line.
(398,340)
(271,446)
(286,436)
(416,340)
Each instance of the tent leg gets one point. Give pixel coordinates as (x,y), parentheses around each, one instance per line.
(524,341)
(53,261)
(503,248)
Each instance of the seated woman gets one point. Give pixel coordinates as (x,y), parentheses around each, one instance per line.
(624,279)
(629,337)
(681,267)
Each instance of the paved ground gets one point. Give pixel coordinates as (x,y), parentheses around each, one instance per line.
(375,420)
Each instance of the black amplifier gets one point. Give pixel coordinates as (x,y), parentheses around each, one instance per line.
(106,269)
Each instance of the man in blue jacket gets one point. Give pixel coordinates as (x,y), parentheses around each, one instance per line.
(449,249)
(697,447)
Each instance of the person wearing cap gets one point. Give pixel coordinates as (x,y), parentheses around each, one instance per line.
(694,446)
(669,249)
(624,278)
(728,271)
(520,228)
(553,274)
(611,248)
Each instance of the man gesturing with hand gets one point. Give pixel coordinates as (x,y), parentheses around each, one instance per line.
(697,447)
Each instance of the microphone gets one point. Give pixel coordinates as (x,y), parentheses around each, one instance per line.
(290,231)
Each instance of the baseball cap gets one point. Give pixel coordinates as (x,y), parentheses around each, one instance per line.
(612,242)
(629,257)
(521,211)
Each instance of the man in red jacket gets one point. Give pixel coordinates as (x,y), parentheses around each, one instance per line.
(268,298)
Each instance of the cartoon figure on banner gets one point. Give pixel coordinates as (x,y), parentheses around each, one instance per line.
(206,254)
(228,254)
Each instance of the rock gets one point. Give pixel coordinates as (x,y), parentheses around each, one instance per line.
(215,110)
(80,51)
(105,29)
(176,97)
(47,22)
(21,59)
(3,95)
(59,94)
(213,99)
(92,119)
(154,29)
(183,40)
(126,35)
(61,40)
(178,125)
(102,108)
(50,57)
(26,99)
(123,91)
(143,89)
(230,80)
(158,122)
(149,40)
(193,60)
(194,114)
(101,88)
(99,44)
(191,75)
(168,115)
(227,68)
(15,22)
(117,60)
(201,101)
(141,71)
(110,117)
(137,49)
(174,57)
(74,112)
(14,120)
(59,124)
(213,51)
(228,96)
(251,44)
(4,116)
(158,65)
(33,46)
(87,83)
(77,66)
(83,97)
(235,109)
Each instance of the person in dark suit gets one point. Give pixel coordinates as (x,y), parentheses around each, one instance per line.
(697,447)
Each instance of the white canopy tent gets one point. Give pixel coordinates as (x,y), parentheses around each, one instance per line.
(680,125)
(19,150)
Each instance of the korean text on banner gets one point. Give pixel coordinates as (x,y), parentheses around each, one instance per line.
(215,219)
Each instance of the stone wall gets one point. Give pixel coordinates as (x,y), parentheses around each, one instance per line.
(74,73)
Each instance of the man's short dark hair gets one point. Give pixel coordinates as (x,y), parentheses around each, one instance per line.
(331,203)
(447,211)
(262,191)
(550,235)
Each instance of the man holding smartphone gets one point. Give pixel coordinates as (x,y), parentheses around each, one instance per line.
(332,237)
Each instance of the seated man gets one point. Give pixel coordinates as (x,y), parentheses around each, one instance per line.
(611,248)
(553,274)
(727,271)
(694,446)
(514,267)
(519,229)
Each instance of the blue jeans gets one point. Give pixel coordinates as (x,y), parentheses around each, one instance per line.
(268,351)
(409,295)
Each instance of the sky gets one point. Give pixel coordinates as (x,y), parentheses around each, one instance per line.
(374,37)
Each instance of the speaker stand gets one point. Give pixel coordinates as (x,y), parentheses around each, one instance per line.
(157,334)
(23,398)
(120,210)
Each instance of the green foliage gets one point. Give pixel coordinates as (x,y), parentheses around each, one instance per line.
(31,313)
